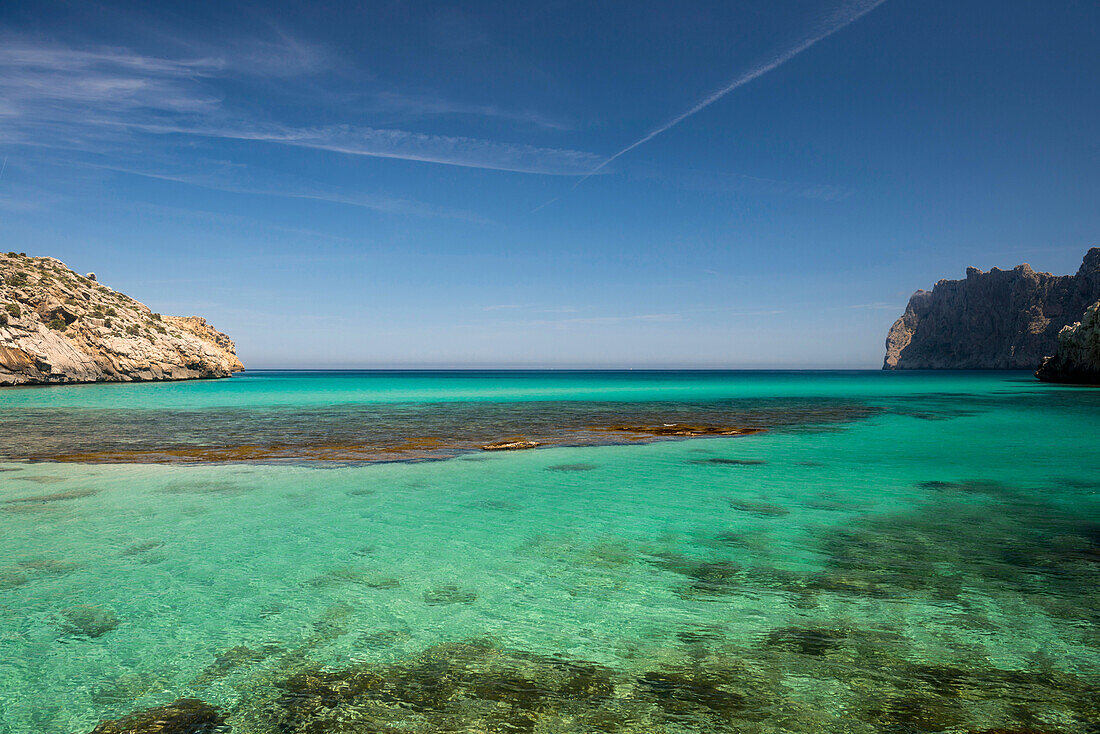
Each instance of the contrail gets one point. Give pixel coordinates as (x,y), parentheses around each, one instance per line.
(846,15)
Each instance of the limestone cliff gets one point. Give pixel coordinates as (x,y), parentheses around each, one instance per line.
(1003,319)
(1078,357)
(57,326)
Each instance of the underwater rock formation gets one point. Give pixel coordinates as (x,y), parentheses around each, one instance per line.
(681,430)
(1003,319)
(863,682)
(466,687)
(184,716)
(1078,357)
(57,326)
(88,621)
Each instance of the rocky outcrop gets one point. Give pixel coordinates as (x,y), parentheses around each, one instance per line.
(1077,360)
(1003,319)
(184,716)
(57,326)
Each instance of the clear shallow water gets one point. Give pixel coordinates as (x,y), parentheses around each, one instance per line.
(925,558)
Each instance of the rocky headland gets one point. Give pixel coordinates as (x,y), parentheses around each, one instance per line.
(1003,319)
(1077,360)
(57,326)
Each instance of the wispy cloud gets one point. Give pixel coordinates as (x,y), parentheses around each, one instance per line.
(79,98)
(424,105)
(400,144)
(36,81)
(233,178)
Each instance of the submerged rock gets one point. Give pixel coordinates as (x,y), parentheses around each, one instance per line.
(682,430)
(812,641)
(233,658)
(803,680)
(708,578)
(449,594)
(12,579)
(1077,360)
(679,692)
(72,494)
(729,462)
(139,548)
(760,509)
(477,687)
(88,621)
(183,716)
(572,467)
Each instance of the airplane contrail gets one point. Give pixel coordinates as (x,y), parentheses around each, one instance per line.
(844,16)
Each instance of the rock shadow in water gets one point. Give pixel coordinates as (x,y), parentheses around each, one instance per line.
(815,641)
(353,576)
(707,578)
(216,486)
(449,594)
(72,494)
(572,467)
(940,550)
(233,659)
(760,509)
(138,549)
(87,621)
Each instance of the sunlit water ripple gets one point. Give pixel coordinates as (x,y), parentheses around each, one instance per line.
(900,553)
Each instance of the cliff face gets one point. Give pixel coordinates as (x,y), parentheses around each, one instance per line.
(57,327)
(1078,357)
(1003,319)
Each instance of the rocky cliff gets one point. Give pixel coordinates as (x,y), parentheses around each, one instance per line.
(1078,357)
(1003,319)
(57,326)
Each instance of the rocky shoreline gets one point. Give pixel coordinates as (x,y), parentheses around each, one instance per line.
(57,326)
(1077,360)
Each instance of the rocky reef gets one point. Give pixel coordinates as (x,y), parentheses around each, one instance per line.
(185,716)
(1077,360)
(57,326)
(1003,319)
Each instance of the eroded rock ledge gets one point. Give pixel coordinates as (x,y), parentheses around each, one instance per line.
(1003,319)
(1077,360)
(57,326)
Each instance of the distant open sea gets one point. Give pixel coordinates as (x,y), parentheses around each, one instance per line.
(318,552)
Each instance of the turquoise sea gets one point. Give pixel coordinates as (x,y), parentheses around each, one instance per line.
(318,552)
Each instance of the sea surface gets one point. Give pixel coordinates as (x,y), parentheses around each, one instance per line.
(318,552)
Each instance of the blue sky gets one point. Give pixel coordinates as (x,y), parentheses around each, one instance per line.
(743,184)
